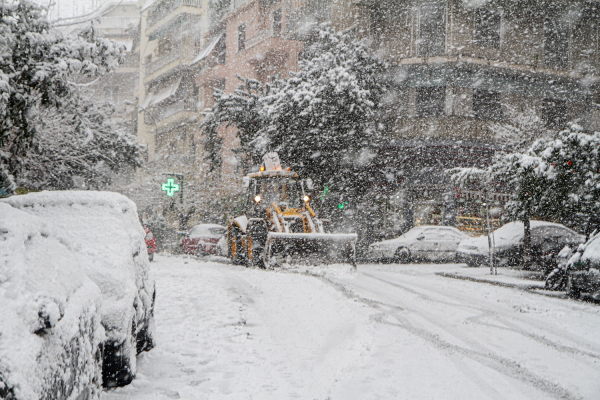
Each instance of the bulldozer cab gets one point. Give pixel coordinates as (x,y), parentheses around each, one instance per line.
(285,192)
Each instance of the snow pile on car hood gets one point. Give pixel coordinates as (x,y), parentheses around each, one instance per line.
(104,231)
(44,289)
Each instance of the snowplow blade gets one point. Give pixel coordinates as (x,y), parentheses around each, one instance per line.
(322,248)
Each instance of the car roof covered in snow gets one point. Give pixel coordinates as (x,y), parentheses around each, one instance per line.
(206,228)
(104,228)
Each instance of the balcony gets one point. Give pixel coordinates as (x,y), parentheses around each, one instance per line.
(307,11)
(164,60)
(162,112)
(166,7)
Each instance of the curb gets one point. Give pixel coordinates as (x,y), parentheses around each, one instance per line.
(491,282)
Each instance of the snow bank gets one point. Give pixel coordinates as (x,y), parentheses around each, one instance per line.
(104,232)
(49,321)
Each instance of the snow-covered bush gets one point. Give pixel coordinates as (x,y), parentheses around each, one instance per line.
(50,328)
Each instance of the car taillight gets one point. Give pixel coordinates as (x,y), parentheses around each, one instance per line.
(149,235)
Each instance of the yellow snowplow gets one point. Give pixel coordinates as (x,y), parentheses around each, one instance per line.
(278,225)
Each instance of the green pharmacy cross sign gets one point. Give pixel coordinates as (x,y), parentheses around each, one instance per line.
(170,187)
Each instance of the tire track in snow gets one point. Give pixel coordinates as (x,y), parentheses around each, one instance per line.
(482,356)
(505,319)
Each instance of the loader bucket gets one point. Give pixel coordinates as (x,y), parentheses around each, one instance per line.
(322,248)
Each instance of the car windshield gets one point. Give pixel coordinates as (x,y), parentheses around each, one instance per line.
(283,191)
(217,231)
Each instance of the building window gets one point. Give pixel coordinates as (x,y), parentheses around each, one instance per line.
(432,29)
(554,113)
(111,94)
(556,44)
(221,50)
(487,105)
(277,22)
(241,31)
(431,101)
(487,28)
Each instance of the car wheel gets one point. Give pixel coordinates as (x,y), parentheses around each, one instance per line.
(572,290)
(151,256)
(237,250)
(257,237)
(119,361)
(402,255)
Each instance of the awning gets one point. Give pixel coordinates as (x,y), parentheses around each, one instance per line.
(155,98)
(207,50)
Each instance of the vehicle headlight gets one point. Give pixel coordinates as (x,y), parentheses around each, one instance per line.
(257,199)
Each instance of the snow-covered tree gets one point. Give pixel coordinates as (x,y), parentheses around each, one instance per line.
(322,120)
(35,62)
(242,110)
(557,179)
(80,147)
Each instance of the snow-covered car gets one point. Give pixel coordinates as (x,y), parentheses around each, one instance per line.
(203,239)
(50,328)
(104,231)
(584,270)
(546,238)
(422,243)
(150,243)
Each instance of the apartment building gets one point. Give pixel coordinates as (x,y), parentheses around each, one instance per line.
(119,21)
(168,111)
(471,79)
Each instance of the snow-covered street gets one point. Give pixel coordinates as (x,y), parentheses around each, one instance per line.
(382,332)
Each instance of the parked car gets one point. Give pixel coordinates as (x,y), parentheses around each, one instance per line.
(422,243)
(150,243)
(546,238)
(104,231)
(50,325)
(203,239)
(584,270)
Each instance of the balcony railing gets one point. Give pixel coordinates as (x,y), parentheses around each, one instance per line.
(160,113)
(163,8)
(164,60)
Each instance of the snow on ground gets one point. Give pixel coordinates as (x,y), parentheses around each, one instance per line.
(384,331)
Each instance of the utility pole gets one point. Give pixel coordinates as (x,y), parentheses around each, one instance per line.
(491,241)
